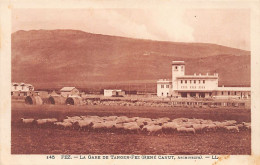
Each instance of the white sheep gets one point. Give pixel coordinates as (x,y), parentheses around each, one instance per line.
(143,121)
(131,126)
(71,120)
(63,125)
(199,127)
(153,122)
(163,120)
(186,124)
(109,124)
(232,128)
(74,117)
(195,121)
(178,120)
(51,120)
(186,130)
(135,118)
(83,124)
(41,121)
(152,129)
(98,125)
(119,126)
(123,119)
(211,127)
(246,125)
(27,121)
(170,126)
(229,122)
(110,118)
(46,122)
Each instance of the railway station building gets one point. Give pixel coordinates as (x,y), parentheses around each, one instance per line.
(197,85)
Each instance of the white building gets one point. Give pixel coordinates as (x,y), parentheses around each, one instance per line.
(21,89)
(114,92)
(197,85)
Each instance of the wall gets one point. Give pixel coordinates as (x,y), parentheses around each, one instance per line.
(162,92)
(210,84)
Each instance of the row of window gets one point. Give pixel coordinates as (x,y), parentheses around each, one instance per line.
(234,93)
(30,88)
(193,87)
(166,86)
(192,81)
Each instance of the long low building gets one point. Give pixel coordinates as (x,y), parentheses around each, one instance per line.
(197,85)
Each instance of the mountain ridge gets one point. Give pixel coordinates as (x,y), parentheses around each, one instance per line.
(54,58)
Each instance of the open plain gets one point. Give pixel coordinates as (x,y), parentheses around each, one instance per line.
(35,140)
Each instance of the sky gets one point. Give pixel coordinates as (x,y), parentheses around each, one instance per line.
(228,27)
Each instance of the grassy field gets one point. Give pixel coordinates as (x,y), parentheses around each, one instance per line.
(53,141)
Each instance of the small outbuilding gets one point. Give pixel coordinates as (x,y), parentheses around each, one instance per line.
(114,92)
(69,91)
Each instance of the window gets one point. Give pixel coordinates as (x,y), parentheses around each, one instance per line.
(203,81)
(228,93)
(167,93)
(162,93)
(181,68)
(185,81)
(176,67)
(167,86)
(222,93)
(199,81)
(235,93)
(162,86)
(181,81)
(194,81)
(190,81)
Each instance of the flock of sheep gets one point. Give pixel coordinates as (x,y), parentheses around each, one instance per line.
(138,124)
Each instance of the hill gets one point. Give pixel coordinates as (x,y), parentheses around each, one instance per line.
(56,58)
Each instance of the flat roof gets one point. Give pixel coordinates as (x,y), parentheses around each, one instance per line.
(178,63)
(193,90)
(197,77)
(164,81)
(118,90)
(67,89)
(233,89)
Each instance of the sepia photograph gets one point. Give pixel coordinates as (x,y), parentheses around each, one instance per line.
(131,81)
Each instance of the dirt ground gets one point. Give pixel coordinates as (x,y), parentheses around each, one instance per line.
(53,141)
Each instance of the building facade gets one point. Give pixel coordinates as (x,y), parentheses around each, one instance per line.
(21,89)
(197,85)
